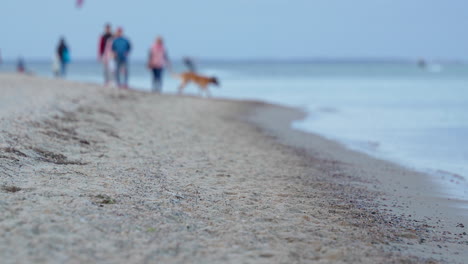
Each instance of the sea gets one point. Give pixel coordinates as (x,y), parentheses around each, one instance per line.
(412,114)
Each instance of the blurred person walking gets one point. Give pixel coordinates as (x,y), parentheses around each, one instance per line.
(189,64)
(121,48)
(20,65)
(63,55)
(104,56)
(157,61)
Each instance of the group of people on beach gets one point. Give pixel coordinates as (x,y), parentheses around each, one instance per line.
(113,53)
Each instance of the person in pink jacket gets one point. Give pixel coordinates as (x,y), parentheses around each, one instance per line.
(157,61)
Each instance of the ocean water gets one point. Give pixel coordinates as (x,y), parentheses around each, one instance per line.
(417,117)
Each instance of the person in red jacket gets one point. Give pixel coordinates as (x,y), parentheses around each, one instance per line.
(102,56)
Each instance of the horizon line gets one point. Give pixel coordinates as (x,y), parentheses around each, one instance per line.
(272,60)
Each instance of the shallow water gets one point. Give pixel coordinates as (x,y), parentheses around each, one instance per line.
(415,116)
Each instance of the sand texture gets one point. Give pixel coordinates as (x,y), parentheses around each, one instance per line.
(97,175)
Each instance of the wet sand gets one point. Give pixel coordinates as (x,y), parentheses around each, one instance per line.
(92,174)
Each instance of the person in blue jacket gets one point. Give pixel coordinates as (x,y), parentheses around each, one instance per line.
(63,54)
(121,48)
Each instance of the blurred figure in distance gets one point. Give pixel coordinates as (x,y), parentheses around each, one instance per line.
(20,66)
(189,63)
(103,55)
(157,61)
(121,48)
(63,55)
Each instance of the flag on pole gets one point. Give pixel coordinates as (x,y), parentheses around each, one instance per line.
(79,3)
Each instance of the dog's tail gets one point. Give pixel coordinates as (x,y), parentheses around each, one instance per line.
(176,75)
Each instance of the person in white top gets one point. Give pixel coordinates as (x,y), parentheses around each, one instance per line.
(105,53)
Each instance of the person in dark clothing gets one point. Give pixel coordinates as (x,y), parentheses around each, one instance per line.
(20,66)
(121,48)
(63,54)
(189,63)
(104,41)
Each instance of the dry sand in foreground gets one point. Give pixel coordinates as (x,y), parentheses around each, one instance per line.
(90,174)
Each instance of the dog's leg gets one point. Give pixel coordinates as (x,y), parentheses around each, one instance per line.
(200,91)
(202,88)
(182,86)
(208,93)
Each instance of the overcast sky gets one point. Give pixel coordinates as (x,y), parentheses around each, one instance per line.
(243,29)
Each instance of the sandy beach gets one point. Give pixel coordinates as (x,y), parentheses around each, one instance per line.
(90,174)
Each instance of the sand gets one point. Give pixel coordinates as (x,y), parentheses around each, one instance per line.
(90,174)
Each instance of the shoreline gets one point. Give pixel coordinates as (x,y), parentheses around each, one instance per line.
(406,192)
(223,180)
(409,193)
(451,185)
(439,193)
(275,120)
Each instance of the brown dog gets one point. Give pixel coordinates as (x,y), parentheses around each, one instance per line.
(201,81)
